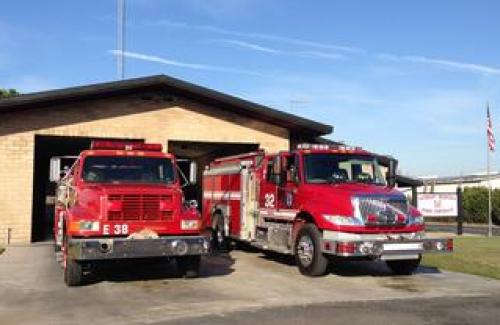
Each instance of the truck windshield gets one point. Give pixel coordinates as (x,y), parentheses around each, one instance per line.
(104,169)
(339,168)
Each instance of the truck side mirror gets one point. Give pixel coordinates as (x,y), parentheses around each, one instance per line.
(193,171)
(277,165)
(55,169)
(277,179)
(277,176)
(391,172)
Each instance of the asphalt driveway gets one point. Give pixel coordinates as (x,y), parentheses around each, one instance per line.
(33,292)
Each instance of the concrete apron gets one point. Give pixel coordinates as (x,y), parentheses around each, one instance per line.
(33,290)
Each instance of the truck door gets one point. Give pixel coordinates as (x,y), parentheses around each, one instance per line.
(268,187)
(279,186)
(287,188)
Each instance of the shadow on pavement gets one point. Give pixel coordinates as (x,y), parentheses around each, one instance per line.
(348,268)
(371,268)
(151,269)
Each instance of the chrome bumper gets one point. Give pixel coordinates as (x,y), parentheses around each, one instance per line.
(387,249)
(123,248)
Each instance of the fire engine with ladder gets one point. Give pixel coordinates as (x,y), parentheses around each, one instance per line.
(320,203)
(124,200)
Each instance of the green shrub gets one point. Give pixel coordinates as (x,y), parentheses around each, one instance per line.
(476,205)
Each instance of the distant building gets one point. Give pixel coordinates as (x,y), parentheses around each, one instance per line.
(450,184)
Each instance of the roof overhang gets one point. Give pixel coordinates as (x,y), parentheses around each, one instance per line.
(172,86)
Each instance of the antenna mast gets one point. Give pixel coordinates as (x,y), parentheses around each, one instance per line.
(120,19)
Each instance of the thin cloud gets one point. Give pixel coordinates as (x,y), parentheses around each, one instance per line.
(274,51)
(322,55)
(443,63)
(268,37)
(175,63)
(472,67)
(250,46)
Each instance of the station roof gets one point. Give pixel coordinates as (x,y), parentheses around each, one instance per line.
(471,178)
(170,86)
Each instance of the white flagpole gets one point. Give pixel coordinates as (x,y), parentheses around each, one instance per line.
(490,224)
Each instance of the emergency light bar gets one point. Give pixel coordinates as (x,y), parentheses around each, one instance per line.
(317,146)
(124,145)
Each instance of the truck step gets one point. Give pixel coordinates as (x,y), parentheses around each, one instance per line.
(260,244)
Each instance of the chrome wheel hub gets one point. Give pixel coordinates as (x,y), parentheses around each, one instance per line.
(305,250)
(220,236)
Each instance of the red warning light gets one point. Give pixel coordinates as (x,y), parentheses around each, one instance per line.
(125,145)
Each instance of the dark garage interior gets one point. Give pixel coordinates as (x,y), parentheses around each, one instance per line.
(203,153)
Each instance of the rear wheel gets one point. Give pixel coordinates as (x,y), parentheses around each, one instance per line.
(188,266)
(404,267)
(308,255)
(220,240)
(73,271)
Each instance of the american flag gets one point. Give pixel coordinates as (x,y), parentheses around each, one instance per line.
(489,130)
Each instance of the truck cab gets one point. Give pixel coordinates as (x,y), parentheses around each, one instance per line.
(123,201)
(321,204)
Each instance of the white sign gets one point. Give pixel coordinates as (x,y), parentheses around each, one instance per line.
(438,204)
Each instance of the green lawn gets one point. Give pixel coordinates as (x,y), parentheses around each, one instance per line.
(473,255)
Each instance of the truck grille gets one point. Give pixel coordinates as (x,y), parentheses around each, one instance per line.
(141,207)
(384,210)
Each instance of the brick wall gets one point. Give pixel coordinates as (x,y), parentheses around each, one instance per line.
(154,120)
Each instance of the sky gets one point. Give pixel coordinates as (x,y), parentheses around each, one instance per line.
(405,78)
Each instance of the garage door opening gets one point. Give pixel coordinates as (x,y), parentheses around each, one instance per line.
(46,147)
(203,153)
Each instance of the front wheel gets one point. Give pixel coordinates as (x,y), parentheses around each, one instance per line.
(308,255)
(404,267)
(188,266)
(73,271)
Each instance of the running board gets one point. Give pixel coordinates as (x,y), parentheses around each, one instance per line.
(265,246)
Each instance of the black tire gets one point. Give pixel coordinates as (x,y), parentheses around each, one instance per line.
(220,240)
(307,251)
(188,266)
(57,248)
(73,271)
(404,267)
(58,254)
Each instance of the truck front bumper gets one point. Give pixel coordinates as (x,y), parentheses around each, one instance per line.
(123,248)
(386,249)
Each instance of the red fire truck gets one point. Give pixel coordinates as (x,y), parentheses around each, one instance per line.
(123,200)
(319,203)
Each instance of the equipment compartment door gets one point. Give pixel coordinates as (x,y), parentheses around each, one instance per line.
(248,204)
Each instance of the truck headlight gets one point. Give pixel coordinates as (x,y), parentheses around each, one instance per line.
(417,220)
(341,220)
(190,224)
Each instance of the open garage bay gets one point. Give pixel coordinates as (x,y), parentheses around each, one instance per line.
(240,287)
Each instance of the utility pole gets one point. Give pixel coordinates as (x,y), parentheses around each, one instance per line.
(120,28)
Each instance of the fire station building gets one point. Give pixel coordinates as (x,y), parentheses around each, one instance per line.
(190,121)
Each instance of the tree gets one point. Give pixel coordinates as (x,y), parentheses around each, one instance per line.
(6,93)
(476,204)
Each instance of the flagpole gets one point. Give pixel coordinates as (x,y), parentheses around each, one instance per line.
(489,194)
(488,149)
